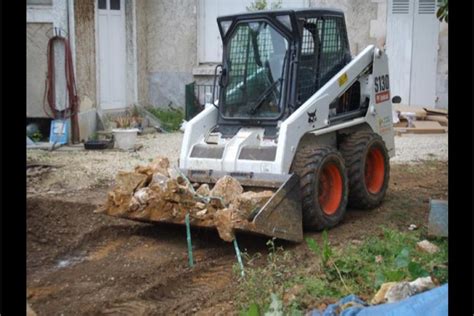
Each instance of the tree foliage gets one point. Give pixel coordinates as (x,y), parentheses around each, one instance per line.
(442,13)
(258,5)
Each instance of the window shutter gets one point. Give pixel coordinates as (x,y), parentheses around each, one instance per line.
(401,7)
(426,7)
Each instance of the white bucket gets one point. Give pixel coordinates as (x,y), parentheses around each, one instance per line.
(125,138)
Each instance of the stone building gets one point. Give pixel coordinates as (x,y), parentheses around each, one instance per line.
(145,52)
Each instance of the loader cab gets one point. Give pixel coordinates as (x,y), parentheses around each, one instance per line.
(273,61)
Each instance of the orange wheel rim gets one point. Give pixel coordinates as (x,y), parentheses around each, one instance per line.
(374,170)
(330,188)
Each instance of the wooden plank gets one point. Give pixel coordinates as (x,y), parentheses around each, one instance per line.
(433,111)
(423,127)
(401,124)
(419,112)
(427,125)
(412,130)
(443,120)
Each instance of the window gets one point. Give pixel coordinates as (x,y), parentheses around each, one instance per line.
(324,52)
(209,40)
(334,53)
(331,36)
(310,44)
(255,65)
(39,2)
(102,4)
(114,4)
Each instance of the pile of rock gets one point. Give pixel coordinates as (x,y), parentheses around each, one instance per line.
(391,292)
(159,193)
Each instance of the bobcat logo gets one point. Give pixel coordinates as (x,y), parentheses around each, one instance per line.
(312,116)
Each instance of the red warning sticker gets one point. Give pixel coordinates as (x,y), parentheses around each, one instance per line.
(382,96)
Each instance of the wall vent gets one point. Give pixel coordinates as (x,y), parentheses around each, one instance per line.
(427,7)
(400,6)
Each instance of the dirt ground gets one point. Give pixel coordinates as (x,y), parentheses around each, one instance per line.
(82,263)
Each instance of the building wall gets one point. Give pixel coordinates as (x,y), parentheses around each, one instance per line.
(41,17)
(442,70)
(367,24)
(130,55)
(66,15)
(142,51)
(36,67)
(86,80)
(364,27)
(171,49)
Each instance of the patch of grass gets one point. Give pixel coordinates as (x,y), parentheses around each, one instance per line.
(37,137)
(94,136)
(263,284)
(170,119)
(336,272)
(397,215)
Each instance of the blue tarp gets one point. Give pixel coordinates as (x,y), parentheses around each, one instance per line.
(433,302)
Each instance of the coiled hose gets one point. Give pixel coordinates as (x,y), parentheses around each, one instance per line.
(72,107)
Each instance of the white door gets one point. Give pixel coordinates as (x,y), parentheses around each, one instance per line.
(111,46)
(412,48)
(399,47)
(425,54)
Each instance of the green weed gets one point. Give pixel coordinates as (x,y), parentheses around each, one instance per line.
(36,137)
(170,119)
(360,269)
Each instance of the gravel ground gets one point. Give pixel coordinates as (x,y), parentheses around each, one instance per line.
(413,148)
(82,169)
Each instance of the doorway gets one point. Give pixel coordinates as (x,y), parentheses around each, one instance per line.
(412,48)
(112,54)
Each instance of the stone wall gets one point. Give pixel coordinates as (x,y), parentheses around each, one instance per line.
(142,51)
(442,70)
(86,80)
(171,49)
(364,26)
(36,67)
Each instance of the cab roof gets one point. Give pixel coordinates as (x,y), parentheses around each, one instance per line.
(297,12)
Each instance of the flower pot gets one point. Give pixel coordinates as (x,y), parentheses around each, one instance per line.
(125,138)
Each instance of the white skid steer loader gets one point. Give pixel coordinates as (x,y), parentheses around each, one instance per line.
(298,114)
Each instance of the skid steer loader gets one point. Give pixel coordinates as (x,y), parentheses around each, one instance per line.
(296,114)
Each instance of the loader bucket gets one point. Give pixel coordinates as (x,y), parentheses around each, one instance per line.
(280,217)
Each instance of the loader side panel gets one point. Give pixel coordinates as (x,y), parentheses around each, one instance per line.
(195,130)
(380,115)
(314,113)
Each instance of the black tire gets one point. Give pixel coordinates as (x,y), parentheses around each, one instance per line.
(366,155)
(322,208)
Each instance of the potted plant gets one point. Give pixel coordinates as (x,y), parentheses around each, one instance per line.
(125,135)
